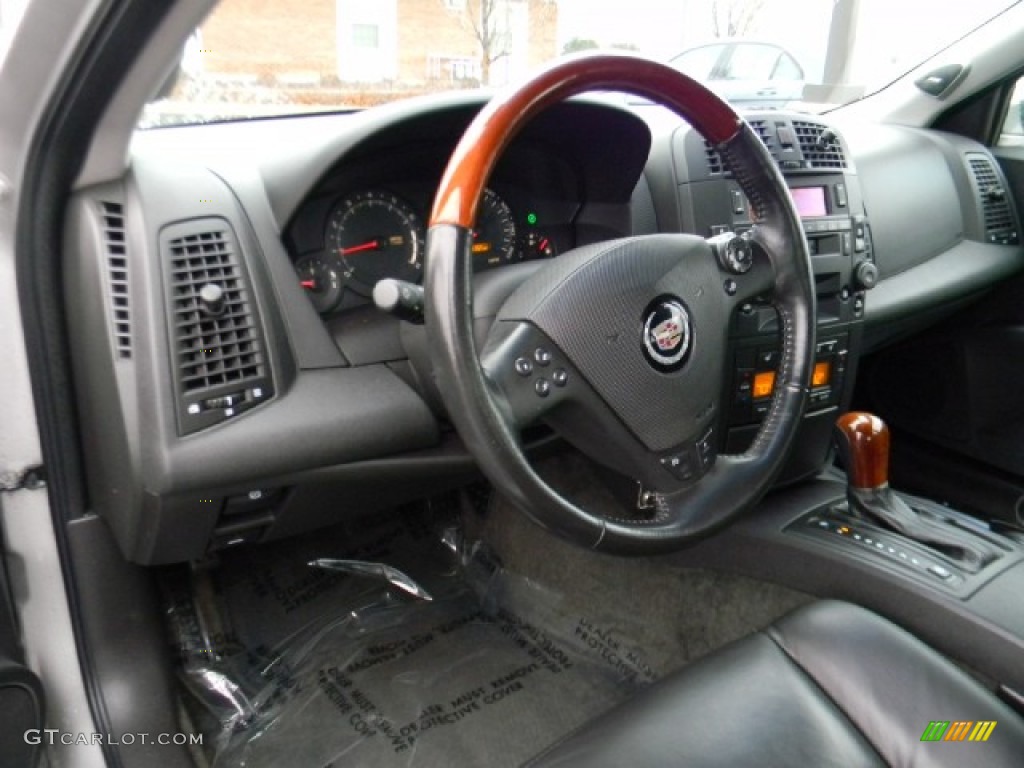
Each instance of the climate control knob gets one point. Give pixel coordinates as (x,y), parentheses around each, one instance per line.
(865,275)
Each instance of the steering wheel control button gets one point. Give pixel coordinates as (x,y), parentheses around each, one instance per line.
(730,287)
(733,252)
(559,377)
(667,334)
(541,356)
(542,387)
(524,366)
(706,449)
(680,465)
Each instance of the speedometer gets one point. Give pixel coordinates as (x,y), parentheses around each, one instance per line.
(375,235)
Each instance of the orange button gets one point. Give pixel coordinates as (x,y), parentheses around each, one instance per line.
(764,383)
(821,374)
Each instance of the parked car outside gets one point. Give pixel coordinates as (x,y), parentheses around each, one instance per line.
(748,73)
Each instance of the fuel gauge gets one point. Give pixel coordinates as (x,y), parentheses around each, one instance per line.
(540,246)
(321,282)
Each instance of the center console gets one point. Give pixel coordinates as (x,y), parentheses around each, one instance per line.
(946,577)
(826,192)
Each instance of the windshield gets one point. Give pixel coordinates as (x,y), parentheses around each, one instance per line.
(257,58)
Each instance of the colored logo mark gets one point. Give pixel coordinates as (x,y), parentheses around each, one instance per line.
(958,730)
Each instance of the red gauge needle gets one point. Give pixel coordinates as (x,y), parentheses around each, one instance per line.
(372,245)
(310,284)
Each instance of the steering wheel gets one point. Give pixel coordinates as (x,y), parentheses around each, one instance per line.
(621,346)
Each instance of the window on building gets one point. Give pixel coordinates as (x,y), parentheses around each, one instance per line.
(365,35)
(443,67)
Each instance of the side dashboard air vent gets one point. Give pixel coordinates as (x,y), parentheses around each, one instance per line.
(115,247)
(819,145)
(999,222)
(220,356)
(714,160)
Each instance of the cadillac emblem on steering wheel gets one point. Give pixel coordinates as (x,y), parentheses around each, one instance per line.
(667,335)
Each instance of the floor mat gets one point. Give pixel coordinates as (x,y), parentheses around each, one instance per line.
(421,651)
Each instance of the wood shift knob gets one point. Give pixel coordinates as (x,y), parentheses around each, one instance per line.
(863,441)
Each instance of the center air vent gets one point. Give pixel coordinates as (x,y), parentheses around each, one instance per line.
(220,358)
(112,226)
(715,164)
(1000,226)
(819,145)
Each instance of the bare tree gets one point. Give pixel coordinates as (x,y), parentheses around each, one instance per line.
(487,22)
(735,18)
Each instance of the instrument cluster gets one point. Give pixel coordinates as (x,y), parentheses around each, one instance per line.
(372,234)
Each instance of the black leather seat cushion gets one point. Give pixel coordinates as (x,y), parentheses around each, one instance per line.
(830,685)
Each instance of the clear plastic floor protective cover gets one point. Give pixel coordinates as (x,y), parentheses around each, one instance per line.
(390,643)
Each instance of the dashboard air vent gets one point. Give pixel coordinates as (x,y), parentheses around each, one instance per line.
(220,347)
(715,164)
(761,129)
(112,222)
(1000,226)
(819,145)
(221,365)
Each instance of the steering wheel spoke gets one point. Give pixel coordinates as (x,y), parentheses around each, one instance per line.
(531,373)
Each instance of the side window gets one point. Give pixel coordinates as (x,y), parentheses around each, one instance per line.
(1013,127)
(698,63)
(787,69)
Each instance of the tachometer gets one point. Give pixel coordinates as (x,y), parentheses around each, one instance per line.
(494,238)
(375,235)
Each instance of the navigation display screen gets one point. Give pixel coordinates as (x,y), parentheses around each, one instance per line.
(810,201)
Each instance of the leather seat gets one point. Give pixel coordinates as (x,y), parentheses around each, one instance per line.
(829,685)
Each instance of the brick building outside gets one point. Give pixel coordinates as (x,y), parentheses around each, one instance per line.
(412,45)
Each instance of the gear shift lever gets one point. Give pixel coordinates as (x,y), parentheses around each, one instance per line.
(863,443)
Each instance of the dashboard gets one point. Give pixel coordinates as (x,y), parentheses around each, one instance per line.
(238,385)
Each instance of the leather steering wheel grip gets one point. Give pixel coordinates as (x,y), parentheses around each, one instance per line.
(735,482)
